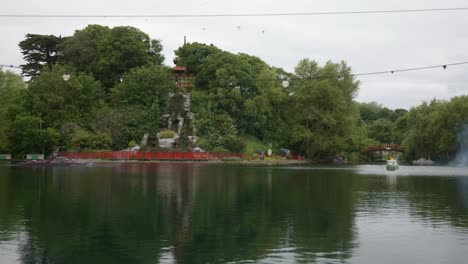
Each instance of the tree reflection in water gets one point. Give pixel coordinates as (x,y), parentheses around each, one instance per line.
(195,213)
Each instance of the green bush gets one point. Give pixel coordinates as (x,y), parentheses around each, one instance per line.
(203,143)
(166,134)
(84,140)
(220,150)
(132,144)
(252,145)
(235,145)
(355,157)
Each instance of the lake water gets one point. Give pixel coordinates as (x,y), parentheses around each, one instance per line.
(209,213)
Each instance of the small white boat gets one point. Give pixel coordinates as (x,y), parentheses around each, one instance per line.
(392,165)
(423,162)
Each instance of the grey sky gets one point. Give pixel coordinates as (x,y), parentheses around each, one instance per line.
(371,42)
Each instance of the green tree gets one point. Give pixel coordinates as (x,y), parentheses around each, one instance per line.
(228,71)
(397,113)
(382,130)
(83,140)
(192,55)
(400,128)
(371,111)
(138,100)
(144,86)
(137,121)
(264,115)
(125,124)
(231,83)
(39,51)
(59,101)
(432,129)
(29,136)
(81,49)
(12,90)
(324,97)
(122,49)
(110,121)
(217,132)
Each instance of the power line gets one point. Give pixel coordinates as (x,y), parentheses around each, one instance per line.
(10,66)
(442,66)
(240,14)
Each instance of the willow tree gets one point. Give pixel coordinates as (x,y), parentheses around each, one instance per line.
(323,114)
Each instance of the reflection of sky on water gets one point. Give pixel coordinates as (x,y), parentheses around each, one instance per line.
(416,241)
(416,211)
(352,214)
(380,170)
(462,190)
(412,170)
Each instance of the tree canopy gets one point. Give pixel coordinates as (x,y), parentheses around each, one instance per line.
(106,53)
(12,90)
(39,52)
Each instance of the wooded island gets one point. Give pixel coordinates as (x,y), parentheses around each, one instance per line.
(106,88)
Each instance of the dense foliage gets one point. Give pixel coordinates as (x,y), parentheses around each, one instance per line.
(446,120)
(99,89)
(41,52)
(104,88)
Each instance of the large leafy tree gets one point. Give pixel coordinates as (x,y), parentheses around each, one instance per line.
(58,100)
(81,49)
(192,55)
(12,90)
(223,83)
(228,71)
(109,121)
(382,130)
(218,132)
(30,136)
(264,114)
(125,124)
(40,52)
(231,84)
(371,111)
(139,99)
(324,97)
(122,49)
(446,121)
(144,86)
(11,87)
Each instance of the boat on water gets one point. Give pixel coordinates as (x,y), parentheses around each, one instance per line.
(392,165)
(423,162)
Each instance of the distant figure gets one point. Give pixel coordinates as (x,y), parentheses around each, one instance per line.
(261,154)
(285,152)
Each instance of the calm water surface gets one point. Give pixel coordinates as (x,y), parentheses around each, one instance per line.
(202,213)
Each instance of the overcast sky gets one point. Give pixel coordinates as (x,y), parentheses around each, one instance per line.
(370,42)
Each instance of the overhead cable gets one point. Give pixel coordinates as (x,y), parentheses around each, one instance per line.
(10,66)
(362,12)
(442,66)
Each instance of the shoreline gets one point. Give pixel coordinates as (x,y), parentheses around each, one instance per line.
(260,162)
(87,162)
